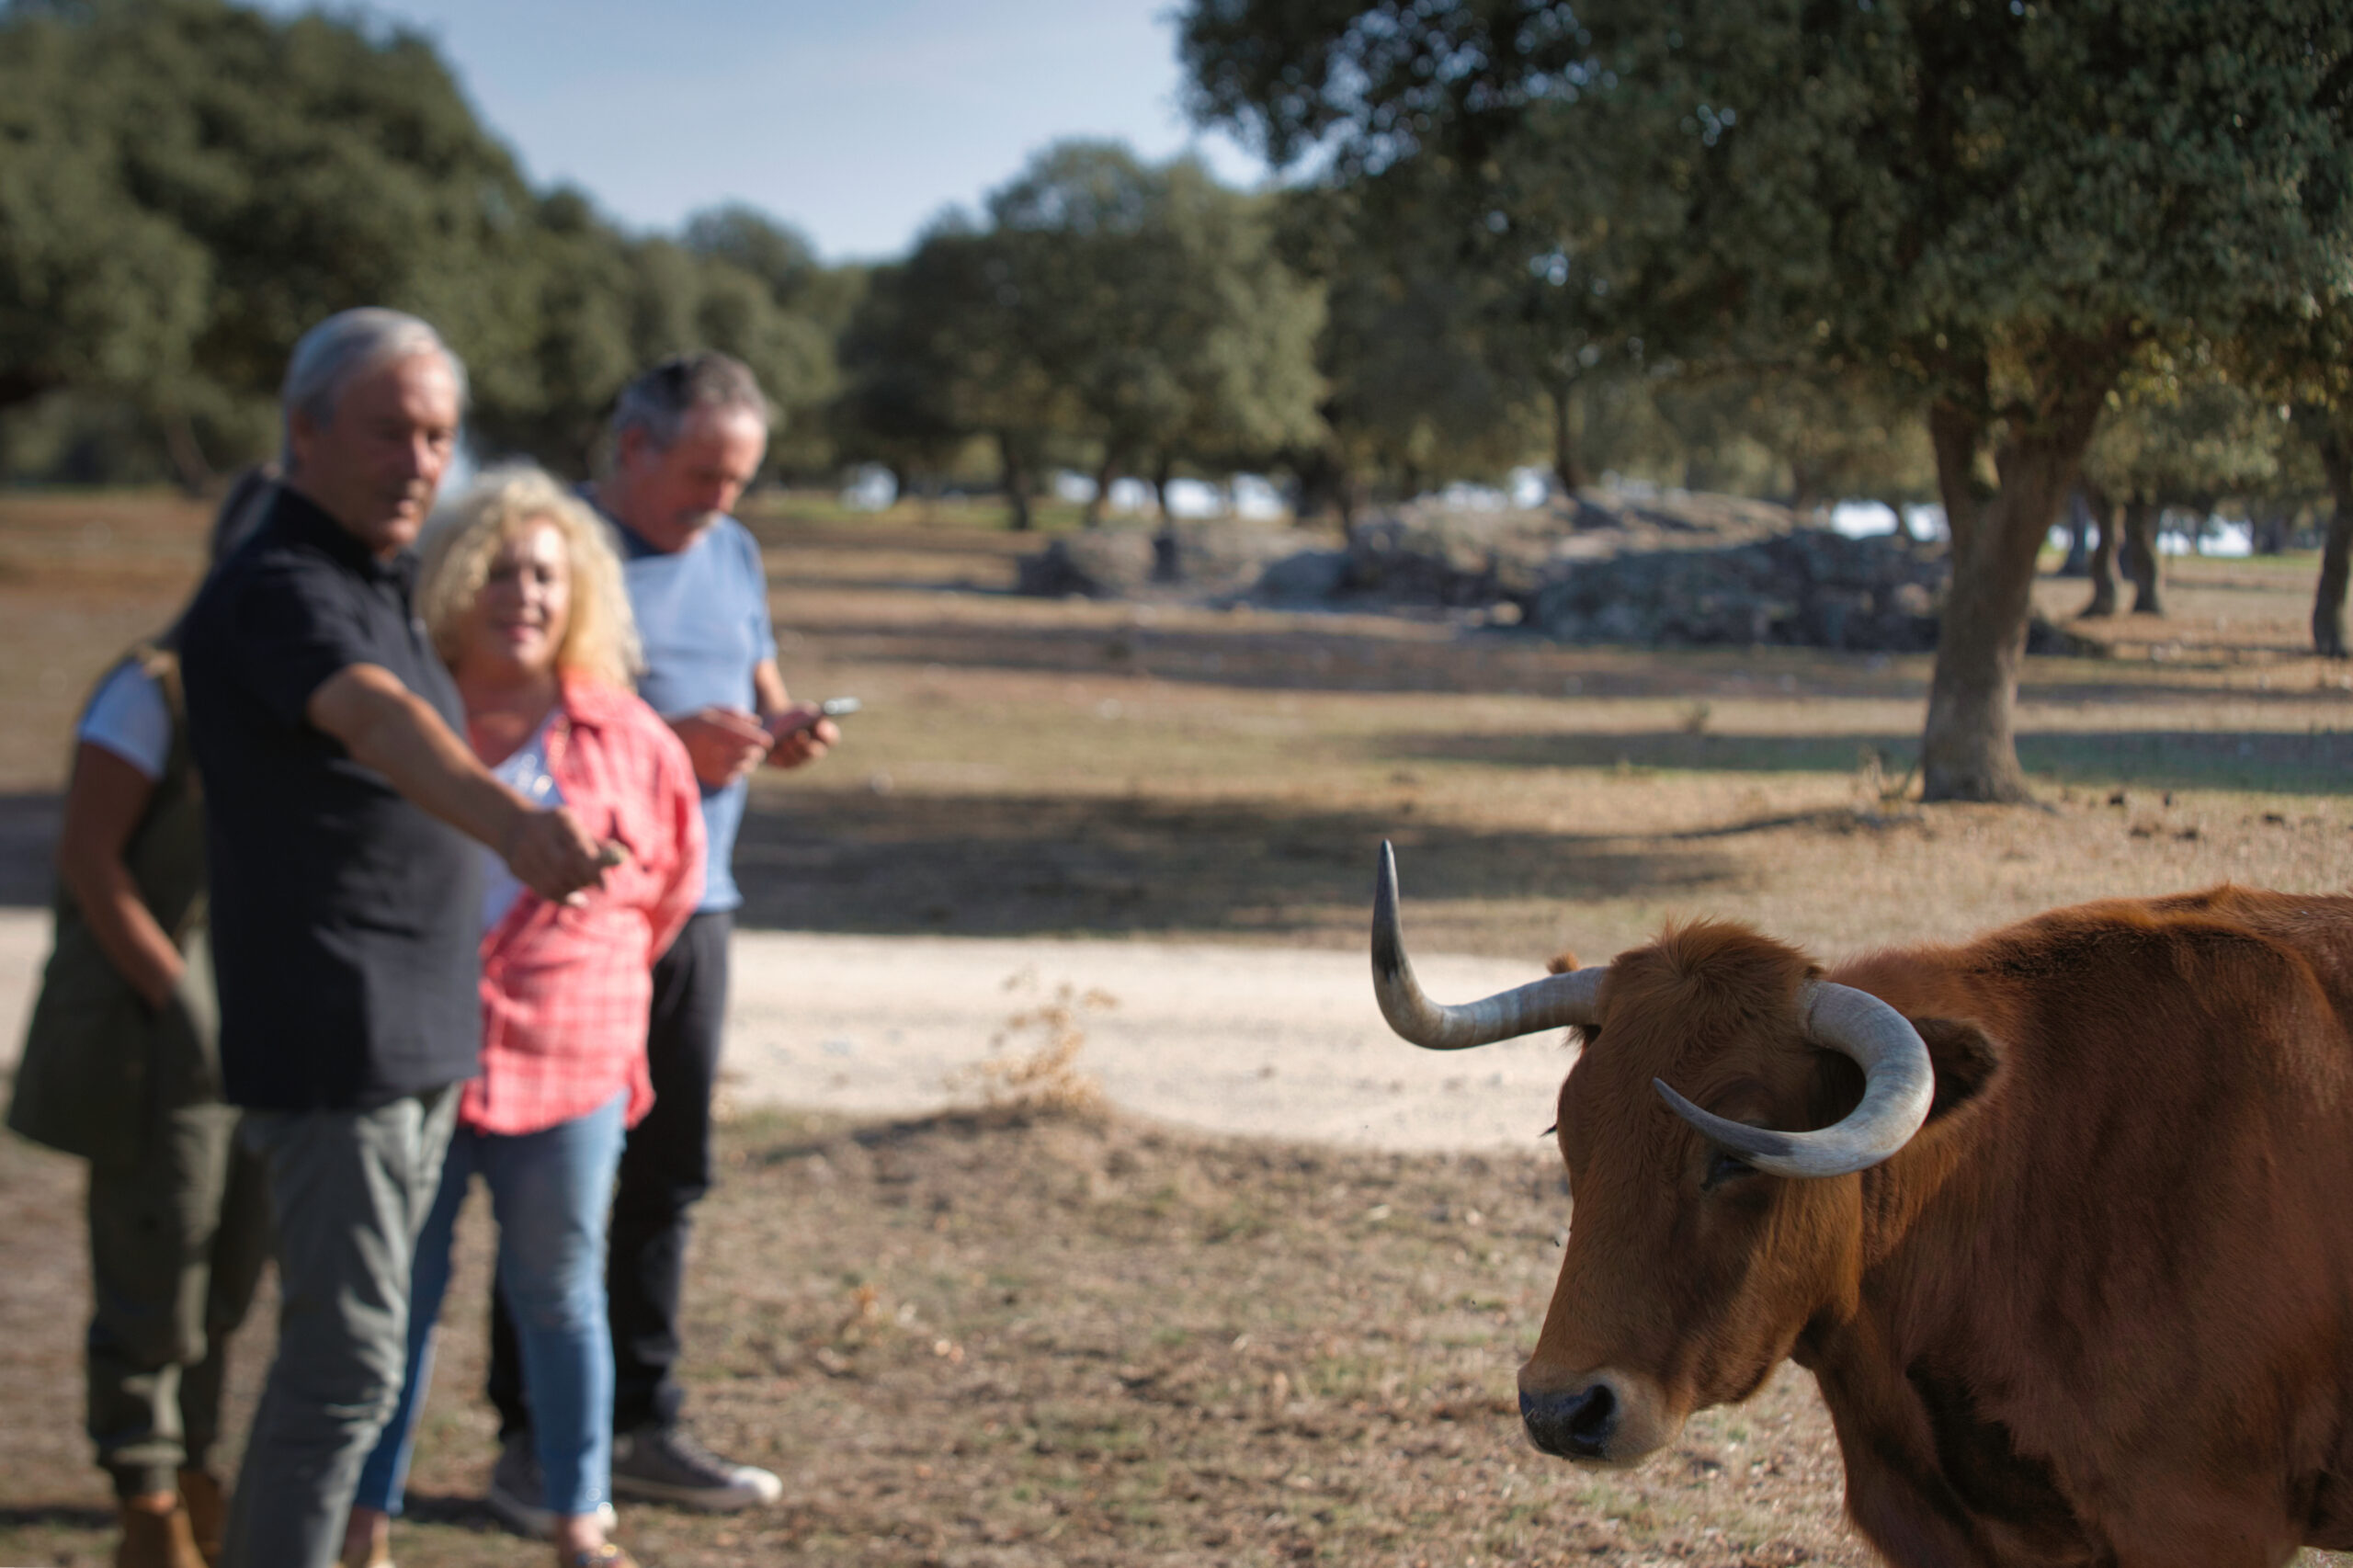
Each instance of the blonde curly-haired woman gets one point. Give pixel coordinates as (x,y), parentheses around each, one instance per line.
(523,597)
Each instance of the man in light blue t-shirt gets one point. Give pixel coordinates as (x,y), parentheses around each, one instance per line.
(686,436)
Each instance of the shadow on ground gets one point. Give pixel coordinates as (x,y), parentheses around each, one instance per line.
(2319,763)
(451,1509)
(1305,651)
(28,848)
(1045,865)
(56,1515)
(1308,653)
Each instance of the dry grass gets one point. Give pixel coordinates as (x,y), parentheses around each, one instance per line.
(1012,1338)
(1039,1333)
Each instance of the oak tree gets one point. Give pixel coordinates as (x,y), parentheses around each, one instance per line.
(2003,206)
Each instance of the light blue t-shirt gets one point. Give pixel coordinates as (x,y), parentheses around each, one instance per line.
(703,615)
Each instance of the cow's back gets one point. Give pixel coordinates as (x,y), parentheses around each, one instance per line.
(2320,928)
(2142,1263)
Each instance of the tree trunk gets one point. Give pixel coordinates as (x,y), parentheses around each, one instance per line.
(2337,553)
(2079,528)
(1337,486)
(1015,478)
(1167,562)
(2268,527)
(2139,556)
(1348,494)
(1104,472)
(189,465)
(1316,471)
(1161,469)
(1904,533)
(1954,435)
(1567,471)
(1805,488)
(2110,518)
(1969,749)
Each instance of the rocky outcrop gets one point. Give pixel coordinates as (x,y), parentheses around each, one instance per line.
(1808,588)
(1674,571)
(1186,560)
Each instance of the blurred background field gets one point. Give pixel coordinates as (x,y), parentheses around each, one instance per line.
(1227,1351)
(1160,1347)
(1113,768)
(1443,311)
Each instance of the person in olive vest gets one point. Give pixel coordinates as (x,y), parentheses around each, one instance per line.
(120,1067)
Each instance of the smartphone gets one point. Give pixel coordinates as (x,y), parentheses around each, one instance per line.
(832,708)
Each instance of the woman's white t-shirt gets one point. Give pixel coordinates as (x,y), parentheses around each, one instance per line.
(526,773)
(129,716)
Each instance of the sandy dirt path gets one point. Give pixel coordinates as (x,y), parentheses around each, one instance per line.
(1265,1041)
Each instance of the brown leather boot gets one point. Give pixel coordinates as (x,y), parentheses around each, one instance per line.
(208,1512)
(155,1535)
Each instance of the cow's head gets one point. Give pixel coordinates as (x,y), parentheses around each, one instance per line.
(1707,1230)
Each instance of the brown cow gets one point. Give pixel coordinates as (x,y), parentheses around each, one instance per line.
(2061,1220)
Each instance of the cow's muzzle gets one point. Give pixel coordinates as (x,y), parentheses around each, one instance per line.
(1602,1419)
(1578,1424)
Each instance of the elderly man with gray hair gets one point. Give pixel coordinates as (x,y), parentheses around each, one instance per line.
(346,898)
(686,438)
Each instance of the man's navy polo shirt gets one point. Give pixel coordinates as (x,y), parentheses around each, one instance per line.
(346,923)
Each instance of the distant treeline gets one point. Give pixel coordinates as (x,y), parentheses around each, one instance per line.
(186,185)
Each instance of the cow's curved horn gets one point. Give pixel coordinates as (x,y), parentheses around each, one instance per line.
(1552,1003)
(1898,1084)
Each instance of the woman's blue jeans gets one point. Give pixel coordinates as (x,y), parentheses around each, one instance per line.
(549,1191)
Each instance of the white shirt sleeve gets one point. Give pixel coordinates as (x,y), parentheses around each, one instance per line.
(130,718)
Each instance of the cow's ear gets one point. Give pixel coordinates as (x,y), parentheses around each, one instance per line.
(1965,1061)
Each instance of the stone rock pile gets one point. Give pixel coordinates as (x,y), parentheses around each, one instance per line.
(1809,589)
(1192,561)
(1677,571)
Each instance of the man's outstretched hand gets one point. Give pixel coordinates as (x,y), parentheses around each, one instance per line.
(553,856)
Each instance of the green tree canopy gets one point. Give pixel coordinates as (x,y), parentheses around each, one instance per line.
(1159,306)
(1417,387)
(1142,313)
(2001,206)
(943,350)
(2192,440)
(186,186)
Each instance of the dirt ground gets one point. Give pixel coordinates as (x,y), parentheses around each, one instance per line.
(1053,1336)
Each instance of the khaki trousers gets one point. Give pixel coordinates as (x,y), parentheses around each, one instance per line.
(177,1238)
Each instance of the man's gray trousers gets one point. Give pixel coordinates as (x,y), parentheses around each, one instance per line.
(349,1191)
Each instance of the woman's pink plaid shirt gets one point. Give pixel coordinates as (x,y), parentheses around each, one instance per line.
(564,990)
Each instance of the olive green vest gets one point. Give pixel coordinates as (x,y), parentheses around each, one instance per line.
(98,1062)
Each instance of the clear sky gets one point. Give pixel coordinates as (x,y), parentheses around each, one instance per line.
(855,120)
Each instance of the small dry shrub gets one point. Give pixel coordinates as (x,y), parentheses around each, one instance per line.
(1036,1065)
(1872,781)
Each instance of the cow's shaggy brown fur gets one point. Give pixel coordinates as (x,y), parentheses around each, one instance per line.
(2098,1310)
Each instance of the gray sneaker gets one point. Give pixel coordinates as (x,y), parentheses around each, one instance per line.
(666,1465)
(518,1497)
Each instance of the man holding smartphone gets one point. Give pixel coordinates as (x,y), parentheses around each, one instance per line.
(686,438)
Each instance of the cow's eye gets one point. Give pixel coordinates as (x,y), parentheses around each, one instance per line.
(1726,1166)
